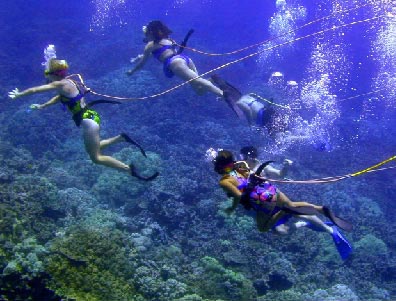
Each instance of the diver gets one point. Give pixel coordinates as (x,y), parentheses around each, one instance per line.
(257,113)
(249,154)
(273,208)
(71,94)
(164,49)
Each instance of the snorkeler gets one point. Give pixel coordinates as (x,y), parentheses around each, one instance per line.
(273,208)
(249,154)
(163,48)
(71,94)
(247,107)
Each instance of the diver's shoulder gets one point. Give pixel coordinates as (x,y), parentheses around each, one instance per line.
(166,41)
(227,179)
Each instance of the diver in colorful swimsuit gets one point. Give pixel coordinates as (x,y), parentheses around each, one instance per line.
(71,94)
(273,208)
(162,47)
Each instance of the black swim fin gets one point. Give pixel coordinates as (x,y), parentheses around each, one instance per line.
(102,101)
(129,140)
(343,224)
(136,175)
(230,93)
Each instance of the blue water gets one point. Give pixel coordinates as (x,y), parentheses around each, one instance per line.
(341,120)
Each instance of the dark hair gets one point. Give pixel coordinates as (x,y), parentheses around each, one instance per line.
(159,30)
(249,151)
(223,159)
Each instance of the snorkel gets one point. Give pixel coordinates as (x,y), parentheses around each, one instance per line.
(144,29)
(52,65)
(49,54)
(211,154)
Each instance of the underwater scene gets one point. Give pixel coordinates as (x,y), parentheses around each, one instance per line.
(198,150)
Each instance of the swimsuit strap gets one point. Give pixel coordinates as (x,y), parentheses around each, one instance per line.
(159,51)
(75,98)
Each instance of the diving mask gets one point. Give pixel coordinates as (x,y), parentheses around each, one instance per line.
(242,165)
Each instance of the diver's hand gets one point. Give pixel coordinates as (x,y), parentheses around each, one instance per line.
(287,162)
(36,106)
(229,210)
(129,72)
(14,93)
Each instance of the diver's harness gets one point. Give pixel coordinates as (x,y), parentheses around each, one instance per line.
(182,45)
(254,180)
(83,90)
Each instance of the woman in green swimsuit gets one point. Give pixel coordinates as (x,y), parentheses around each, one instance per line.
(71,93)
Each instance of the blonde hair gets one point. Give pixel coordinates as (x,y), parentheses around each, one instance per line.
(57,65)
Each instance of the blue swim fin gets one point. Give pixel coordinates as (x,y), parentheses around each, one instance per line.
(342,244)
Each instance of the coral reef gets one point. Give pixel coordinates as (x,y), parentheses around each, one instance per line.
(215,281)
(74,230)
(336,292)
(89,264)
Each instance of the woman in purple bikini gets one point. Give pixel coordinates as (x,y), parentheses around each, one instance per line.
(164,49)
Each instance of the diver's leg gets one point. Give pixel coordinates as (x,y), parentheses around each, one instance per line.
(92,146)
(192,66)
(200,85)
(299,207)
(266,222)
(313,222)
(316,221)
(107,142)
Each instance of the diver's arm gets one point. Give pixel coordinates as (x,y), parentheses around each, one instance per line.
(143,59)
(234,205)
(52,101)
(271,172)
(230,188)
(39,89)
(266,223)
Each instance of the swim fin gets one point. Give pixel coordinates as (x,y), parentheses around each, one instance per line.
(342,244)
(129,140)
(136,175)
(102,101)
(343,224)
(230,93)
